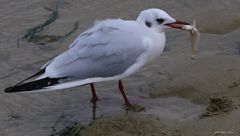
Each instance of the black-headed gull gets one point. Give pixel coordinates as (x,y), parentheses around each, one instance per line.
(111,50)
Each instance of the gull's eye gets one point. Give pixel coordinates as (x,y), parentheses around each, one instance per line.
(160,20)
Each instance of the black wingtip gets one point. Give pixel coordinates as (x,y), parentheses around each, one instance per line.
(17,88)
(32,86)
(9,90)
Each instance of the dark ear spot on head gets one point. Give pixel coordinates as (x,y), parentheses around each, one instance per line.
(148,24)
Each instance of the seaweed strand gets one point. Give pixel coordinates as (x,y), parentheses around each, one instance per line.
(52,18)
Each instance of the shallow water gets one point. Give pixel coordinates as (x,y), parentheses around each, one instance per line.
(172,89)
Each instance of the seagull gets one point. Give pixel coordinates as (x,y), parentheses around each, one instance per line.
(112,49)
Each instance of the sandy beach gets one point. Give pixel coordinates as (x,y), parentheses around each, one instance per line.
(181,96)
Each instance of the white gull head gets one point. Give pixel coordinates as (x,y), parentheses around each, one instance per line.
(158,20)
(155,19)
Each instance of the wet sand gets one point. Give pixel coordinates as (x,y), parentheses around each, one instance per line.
(174,90)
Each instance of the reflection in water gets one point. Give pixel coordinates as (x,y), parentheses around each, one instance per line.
(64,126)
(94,106)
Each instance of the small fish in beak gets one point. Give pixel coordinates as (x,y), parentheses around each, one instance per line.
(194,34)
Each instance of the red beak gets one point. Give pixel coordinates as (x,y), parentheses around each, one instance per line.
(178,24)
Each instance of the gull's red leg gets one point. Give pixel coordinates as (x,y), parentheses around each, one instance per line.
(121,88)
(94,95)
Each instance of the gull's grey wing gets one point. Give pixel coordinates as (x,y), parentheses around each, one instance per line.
(105,50)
